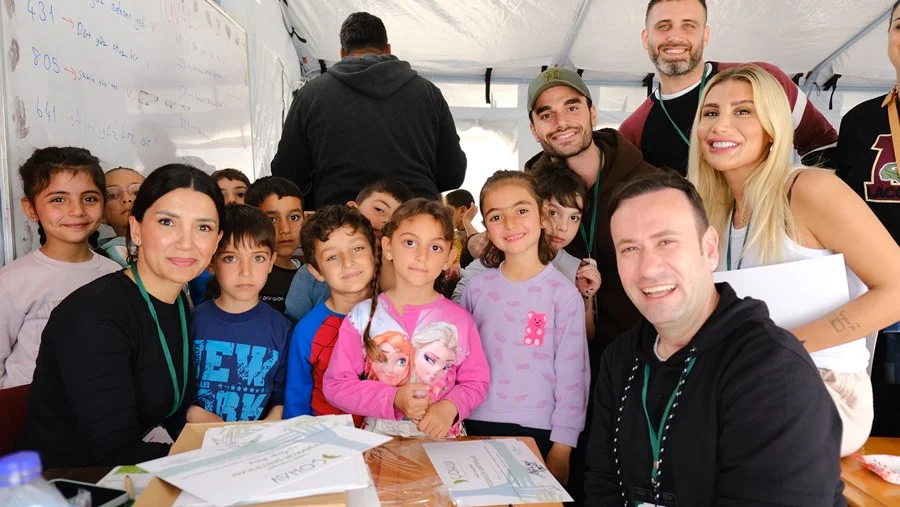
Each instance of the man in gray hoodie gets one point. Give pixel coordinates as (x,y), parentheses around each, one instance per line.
(369,117)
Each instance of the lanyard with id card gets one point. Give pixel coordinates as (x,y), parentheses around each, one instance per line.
(645,497)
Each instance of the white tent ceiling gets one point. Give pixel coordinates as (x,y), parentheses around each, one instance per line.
(459,39)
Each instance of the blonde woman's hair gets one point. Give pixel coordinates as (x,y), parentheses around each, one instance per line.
(764,193)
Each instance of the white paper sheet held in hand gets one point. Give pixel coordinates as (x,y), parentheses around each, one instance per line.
(494,472)
(796,293)
(276,456)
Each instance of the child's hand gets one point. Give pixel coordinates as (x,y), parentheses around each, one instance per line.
(587,278)
(438,419)
(558,462)
(197,414)
(412,400)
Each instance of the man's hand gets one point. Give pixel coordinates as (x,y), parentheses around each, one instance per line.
(412,400)
(438,419)
(558,462)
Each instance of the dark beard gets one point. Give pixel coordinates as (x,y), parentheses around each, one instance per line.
(587,140)
(675,69)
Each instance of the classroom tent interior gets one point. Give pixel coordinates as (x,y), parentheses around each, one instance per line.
(836,49)
(456,43)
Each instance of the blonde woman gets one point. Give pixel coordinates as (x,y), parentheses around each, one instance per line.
(768,212)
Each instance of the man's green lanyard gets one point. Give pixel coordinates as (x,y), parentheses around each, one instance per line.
(728,246)
(179,395)
(662,103)
(657,435)
(589,238)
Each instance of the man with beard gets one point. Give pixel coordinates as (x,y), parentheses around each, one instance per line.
(562,118)
(674,36)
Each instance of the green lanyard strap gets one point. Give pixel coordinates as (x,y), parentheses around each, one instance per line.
(179,395)
(662,103)
(589,238)
(728,245)
(658,435)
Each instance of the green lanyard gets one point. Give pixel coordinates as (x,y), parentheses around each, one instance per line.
(662,104)
(179,396)
(589,238)
(728,246)
(657,435)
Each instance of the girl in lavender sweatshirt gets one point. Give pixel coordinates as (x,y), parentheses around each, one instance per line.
(418,352)
(532,319)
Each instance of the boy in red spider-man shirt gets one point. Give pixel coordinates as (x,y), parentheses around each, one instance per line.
(339,245)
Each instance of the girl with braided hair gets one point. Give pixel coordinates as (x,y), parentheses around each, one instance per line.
(418,242)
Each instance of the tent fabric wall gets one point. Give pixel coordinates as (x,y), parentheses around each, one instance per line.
(274,72)
(517,37)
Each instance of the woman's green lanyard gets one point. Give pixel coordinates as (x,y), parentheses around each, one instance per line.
(179,395)
(662,103)
(728,246)
(656,436)
(589,238)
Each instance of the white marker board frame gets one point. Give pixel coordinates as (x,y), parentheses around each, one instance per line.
(140,83)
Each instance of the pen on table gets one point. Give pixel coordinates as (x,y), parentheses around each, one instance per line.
(129,487)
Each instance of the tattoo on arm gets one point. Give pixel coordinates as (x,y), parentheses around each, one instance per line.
(841,324)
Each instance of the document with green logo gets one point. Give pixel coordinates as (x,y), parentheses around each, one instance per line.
(279,455)
(494,472)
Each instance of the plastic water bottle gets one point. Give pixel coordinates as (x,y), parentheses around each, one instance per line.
(21,484)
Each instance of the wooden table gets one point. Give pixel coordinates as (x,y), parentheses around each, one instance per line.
(862,487)
(403,473)
(400,468)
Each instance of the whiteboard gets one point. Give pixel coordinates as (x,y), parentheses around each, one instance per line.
(140,83)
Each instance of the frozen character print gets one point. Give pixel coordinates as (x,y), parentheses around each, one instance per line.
(393,364)
(435,362)
(535,329)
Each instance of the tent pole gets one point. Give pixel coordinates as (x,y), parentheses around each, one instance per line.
(563,57)
(814,75)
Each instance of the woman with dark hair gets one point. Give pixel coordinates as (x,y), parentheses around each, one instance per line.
(866,159)
(114,357)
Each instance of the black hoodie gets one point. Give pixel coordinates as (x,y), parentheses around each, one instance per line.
(754,424)
(365,119)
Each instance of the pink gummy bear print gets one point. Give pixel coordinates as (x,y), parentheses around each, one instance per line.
(534,328)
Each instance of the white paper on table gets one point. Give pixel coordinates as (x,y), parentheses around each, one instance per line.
(348,475)
(796,293)
(239,434)
(116,478)
(277,456)
(492,472)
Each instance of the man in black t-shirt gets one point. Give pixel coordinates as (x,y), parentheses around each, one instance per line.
(675,35)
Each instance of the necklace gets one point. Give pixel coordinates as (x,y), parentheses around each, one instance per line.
(657,438)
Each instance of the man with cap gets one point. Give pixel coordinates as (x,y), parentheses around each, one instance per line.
(562,117)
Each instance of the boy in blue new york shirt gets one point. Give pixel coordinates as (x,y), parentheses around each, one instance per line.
(239,342)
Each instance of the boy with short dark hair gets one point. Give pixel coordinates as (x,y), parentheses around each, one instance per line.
(339,244)
(376,202)
(233,184)
(280,199)
(239,343)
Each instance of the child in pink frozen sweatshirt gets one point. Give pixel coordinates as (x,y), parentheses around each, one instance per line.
(410,360)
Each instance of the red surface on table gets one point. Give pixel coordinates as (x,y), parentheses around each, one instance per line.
(864,488)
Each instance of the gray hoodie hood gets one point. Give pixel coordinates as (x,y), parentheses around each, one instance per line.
(376,76)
